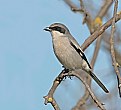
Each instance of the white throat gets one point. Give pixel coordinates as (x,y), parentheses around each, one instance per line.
(56,34)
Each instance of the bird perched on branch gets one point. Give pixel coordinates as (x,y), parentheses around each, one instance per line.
(69,52)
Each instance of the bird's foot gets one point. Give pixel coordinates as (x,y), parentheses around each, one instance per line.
(67,73)
(65,70)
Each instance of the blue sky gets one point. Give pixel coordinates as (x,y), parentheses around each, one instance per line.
(27,63)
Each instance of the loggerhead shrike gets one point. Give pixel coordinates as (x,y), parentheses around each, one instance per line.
(69,52)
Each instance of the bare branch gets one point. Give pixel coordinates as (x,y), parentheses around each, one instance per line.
(104,8)
(112,47)
(99,31)
(49,98)
(96,101)
(87,18)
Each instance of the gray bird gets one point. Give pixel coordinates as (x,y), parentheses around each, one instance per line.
(69,52)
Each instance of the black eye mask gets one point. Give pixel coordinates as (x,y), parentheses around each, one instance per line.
(59,29)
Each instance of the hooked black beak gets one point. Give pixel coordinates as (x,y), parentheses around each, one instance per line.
(47,29)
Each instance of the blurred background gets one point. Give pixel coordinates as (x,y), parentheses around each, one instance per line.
(28,65)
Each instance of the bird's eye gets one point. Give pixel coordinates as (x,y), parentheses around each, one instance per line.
(61,30)
(58,29)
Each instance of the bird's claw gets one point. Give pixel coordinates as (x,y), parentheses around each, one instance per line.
(65,70)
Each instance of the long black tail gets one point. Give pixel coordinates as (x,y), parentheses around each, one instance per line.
(98,81)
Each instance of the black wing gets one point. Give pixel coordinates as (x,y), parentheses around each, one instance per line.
(81,53)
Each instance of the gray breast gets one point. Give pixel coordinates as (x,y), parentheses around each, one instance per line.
(66,54)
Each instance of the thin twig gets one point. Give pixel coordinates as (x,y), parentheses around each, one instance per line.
(99,31)
(96,51)
(49,97)
(104,8)
(96,101)
(112,47)
(87,18)
(100,14)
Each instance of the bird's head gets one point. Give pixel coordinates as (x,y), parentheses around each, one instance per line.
(57,29)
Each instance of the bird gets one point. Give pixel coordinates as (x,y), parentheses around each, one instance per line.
(68,51)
